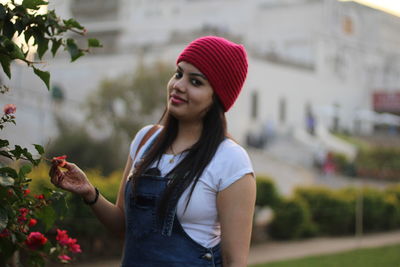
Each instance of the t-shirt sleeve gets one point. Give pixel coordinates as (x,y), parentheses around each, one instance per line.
(232,163)
(136,141)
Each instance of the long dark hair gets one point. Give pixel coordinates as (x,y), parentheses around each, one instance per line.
(197,157)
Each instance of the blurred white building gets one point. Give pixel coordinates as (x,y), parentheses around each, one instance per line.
(333,58)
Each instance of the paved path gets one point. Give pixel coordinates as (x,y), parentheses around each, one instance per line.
(275,251)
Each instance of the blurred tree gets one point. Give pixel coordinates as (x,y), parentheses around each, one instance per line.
(125,104)
(117,110)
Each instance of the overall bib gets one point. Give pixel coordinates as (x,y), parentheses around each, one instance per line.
(151,243)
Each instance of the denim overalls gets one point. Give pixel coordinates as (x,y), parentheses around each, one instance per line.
(148,242)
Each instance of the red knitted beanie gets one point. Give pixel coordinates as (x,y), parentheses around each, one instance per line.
(223,62)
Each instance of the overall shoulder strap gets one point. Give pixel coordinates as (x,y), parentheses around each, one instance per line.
(147,137)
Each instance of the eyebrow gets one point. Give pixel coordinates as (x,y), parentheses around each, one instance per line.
(194,73)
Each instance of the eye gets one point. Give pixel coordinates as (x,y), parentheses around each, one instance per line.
(178,74)
(196,82)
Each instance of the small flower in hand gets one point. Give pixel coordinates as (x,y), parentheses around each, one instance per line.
(63,161)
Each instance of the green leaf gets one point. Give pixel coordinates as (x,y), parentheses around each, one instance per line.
(5,64)
(24,170)
(94,43)
(3,219)
(19,26)
(44,75)
(7,171)
(55,45)
(28,34)
(5,153)
(17,52)
(47,215)
(2,12)
(71,23)
(33,4)
(73,50)
(39,149)
(8,29)
(4,143)
(6,181)
(43,45)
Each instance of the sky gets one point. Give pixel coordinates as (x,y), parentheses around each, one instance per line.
(388,6)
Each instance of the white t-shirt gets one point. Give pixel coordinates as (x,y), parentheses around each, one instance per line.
(200,220)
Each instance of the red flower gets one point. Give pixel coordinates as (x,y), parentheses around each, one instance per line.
(9,109)
(62,237)
(64,258)
(41,196)
(23,212)
(63,161)
(32,222)
(35,240)
(26,192)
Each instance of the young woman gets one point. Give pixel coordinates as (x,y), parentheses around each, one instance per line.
(188,191)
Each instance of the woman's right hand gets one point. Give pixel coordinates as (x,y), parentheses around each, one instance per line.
(73,180)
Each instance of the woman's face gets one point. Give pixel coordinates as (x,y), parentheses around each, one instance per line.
(189,93)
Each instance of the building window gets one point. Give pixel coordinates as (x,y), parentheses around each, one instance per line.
(254,105)
(347,25)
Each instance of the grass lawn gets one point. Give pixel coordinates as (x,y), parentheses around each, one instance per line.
(387,256)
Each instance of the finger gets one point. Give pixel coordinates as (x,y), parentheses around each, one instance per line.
(60,178)
(52,175)
(69,166)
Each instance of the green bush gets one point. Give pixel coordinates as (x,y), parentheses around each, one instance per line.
(373,209)
(291,220)
(394,190)
(344,165)
(391,214)
(331,211)
(79,218)
(379,162)
(267,193)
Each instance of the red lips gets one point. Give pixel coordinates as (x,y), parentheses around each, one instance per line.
(175,99)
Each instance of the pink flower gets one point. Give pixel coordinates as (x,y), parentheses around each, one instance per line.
(73,247)
(32,222)
(64,258)
(62,237)
(9,109)
(35,240)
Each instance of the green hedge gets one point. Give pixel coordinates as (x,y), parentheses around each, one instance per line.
(267,193)
(292,219)
(331,211)
(323,211)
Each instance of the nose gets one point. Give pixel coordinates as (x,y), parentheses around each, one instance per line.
(179,85)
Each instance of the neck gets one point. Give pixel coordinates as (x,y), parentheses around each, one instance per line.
(188,134)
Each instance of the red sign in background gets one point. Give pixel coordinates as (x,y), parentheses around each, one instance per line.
(386,101)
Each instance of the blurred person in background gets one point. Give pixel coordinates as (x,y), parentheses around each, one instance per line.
(188,191)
